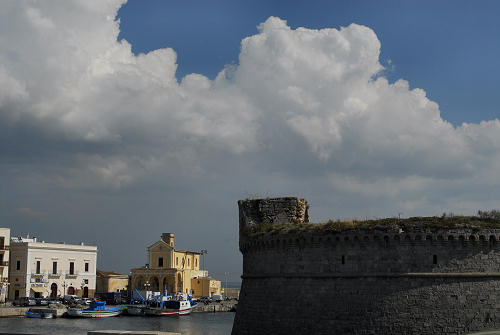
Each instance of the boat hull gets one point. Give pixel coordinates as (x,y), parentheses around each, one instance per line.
(138,311)
(38,315)
(168,312)
(81,313)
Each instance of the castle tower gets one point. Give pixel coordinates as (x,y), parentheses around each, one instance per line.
(420,277)
(289,210)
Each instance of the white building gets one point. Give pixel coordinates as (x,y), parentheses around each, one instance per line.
(4,262)
(39,269)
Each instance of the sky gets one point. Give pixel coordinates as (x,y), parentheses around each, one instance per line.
(121,121)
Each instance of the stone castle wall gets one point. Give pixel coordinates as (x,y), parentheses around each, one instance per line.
(417,281)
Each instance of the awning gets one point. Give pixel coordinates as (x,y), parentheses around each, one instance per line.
(38,289)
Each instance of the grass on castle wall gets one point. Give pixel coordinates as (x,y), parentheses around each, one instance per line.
(387,224)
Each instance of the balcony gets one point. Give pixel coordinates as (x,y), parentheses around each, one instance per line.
(71,276)
(4,247)
(4,263)
(54,275)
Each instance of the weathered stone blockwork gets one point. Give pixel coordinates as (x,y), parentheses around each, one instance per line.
(367,281)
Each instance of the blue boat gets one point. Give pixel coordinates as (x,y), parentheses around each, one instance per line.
(39,315)
(97,309)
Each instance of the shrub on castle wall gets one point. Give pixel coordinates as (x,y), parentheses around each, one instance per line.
(386,224)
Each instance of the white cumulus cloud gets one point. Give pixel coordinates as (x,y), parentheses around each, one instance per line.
(300,98)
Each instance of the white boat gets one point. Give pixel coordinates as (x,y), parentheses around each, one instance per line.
(180,304)
(97,309)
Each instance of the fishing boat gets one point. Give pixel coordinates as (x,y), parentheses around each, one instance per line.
(97,309)
(180,304)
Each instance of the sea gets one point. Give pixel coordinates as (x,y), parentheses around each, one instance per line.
(193,324)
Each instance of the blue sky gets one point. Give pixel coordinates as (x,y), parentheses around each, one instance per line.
(103,141)
(449,48)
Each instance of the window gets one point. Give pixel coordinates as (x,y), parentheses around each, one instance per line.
(71,268)
(86,267)
(37,267)
(343,259)
(18,265)
(160,262)
(195,262)
(54,268)
(85,281)
(188,262)
(176,260)
(434,259)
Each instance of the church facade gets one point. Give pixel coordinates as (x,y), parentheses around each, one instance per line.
(170,270)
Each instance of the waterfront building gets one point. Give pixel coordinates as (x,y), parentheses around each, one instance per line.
(231,292)
(40,269)
(205,286)
(171,270)
(109,281)
(4,263)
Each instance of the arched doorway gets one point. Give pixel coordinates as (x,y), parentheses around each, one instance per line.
(53,290)
(155,284)
(71,290)
(139,284)
(169,284)
(179,283)
(85,292)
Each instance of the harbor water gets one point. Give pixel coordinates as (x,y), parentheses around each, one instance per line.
(194,324)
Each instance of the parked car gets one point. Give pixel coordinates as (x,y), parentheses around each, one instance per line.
(24,301)
(203,300)
(55,301)
(71,299)
(42,301)
(217,298)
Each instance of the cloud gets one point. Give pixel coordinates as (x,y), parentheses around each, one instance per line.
(300,102)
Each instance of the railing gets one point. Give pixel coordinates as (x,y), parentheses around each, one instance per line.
(54,275)
(4,247)
(71,276)
(4,263)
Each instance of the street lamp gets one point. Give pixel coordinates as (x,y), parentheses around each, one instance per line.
(146,288)
(203,252)
(225,288)
(82,285)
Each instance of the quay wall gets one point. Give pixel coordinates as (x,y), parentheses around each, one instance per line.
(12,311)
(399,281)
